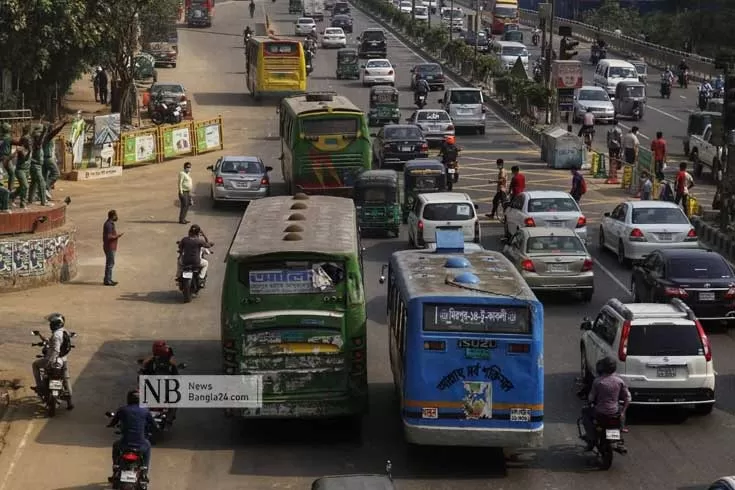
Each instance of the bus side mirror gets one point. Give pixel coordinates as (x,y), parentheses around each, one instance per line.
(381,280)
(586,324)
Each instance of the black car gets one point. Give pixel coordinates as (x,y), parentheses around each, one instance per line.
(433,74)
(372,43)
(344,21)
(395,144)
(341,8)
(701,278)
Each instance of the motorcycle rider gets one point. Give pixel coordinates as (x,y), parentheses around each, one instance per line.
(683,69)
(449,151)
(161,362)
(588,123)
(667,76)
(190,253)
(421,88)
(719,85)
(134,421)
(54,353)
(607,390)
(247,33)
(704,94)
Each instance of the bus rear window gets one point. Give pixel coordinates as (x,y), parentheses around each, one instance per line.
(496,319)
(281,48)
(323,126)
(292,277)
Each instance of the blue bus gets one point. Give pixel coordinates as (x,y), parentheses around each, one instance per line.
(466,349)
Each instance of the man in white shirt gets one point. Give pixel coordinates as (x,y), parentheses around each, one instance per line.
(631,145)
(588,123)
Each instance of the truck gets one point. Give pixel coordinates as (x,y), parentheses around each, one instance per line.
(453,18)
(199,12)
(314,9)
(706,150)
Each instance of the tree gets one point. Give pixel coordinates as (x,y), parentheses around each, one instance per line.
(611,16)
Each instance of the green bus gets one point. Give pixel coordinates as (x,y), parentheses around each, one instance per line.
(325,143)
(293,308)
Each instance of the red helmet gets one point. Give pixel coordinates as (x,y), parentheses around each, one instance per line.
(160,348)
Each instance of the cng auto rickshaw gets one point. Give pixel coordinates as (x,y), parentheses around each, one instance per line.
(383,106)
(642,68)
(421,176)
(377,201)
(630,99)
(348,64)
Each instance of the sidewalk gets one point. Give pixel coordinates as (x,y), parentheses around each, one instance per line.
(81,98)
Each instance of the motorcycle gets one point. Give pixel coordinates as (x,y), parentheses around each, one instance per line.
(607,439)
(535,38)
(452,174)
(163,417)
(246,38)
(703,99)
(420,100)
(684,78)
(189,282)
(165,113)
(129,472)
(588,135)
(665,90)
(637,111)
(538,73)
(52,377)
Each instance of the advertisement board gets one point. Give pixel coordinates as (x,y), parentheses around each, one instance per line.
(567,74)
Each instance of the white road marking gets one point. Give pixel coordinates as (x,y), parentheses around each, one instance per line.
(606,271)
(16,456)
(682,96)
(665,113)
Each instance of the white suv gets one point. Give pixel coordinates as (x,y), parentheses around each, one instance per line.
(663,353)
(442,211)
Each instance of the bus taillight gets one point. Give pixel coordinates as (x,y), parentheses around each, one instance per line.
(519,348)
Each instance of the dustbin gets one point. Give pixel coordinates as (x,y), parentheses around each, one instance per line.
(564,150)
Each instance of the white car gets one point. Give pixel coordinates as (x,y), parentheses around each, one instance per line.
(662,351)
(555,209)
(378,71)
(406,7)
(636,228)
(434,123)
(442,210)
(421,13)
(334,37)
(305,26)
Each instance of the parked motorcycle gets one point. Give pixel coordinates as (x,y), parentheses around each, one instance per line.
(163,417)
(189,282)
(607,440)
(52,377)
(129,472)
(166,113)
(665,90)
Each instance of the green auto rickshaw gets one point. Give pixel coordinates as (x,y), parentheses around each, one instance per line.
(421,176)
(348,64)
(377,201)
(384,106)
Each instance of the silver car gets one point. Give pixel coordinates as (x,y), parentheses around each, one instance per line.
(595,98)
(434,123)
(555,209)
(239,179)
(552,259)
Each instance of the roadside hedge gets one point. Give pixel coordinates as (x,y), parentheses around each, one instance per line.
(480,68)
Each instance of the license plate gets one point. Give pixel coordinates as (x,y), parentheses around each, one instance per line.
(429,413)
(464,112)
(558,268)
(666,372)
(128,477)
(612,434)
(406,148)
(55,384)
(55,393)
(706,296)
(520,415)
(242,185)
(556,224)
(665,237)
(187,275)
(451,171)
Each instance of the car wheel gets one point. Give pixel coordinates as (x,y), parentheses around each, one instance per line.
(601,240)
(587,295)
(622,259)
(173,65)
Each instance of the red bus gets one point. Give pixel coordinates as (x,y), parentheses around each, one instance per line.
(503,12)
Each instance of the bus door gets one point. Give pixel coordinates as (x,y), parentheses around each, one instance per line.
(475,366)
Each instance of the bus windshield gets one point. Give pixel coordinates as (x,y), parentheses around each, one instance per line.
(281,47)
(506,11)
(495,319)
(321,126)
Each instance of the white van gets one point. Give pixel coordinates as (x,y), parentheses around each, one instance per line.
(609,72)
(508,52)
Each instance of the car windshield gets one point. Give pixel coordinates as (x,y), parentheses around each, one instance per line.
(457,14)
(241,167)
(421,10)
(622,72)
(597,95)
(378,64)
(448,211)
(650,216)
(664,339)
(555,245)
(432,69)
(514,51)
(407,133)
(306,21)
(406,4)
(699,268)
(552,205)
(373,36)
(342,18)
(432,116)
(466,97)
(506,12)
(333,31)
(172,89)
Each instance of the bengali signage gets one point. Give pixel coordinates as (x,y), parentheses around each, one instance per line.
(477,318)
(288,281)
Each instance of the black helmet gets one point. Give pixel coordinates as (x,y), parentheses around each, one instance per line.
(195,230)
(133,397)
(606,365)
(56,321)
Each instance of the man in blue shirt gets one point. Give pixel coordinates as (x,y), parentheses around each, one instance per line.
(579,186)
(133,420)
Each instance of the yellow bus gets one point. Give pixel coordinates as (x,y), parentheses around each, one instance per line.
(275,67)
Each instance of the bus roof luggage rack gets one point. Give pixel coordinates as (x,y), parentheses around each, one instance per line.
(320,96)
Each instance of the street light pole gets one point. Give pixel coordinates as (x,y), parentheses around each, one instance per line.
(451,21)
(549,53)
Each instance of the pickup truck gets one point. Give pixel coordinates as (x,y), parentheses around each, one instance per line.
(703,152)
